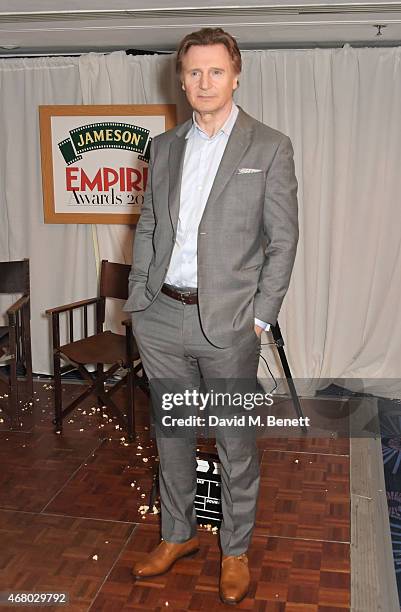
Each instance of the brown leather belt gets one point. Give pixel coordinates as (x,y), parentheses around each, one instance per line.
(185,297)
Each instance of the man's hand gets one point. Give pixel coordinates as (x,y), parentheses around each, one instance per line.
(258,330)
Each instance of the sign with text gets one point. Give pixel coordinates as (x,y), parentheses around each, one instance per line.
(95,160)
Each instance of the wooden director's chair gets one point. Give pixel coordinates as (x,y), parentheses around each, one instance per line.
(15,336)
(104,347)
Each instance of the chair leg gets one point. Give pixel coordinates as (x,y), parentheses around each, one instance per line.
(28,366)
(13,390)
(26,351)
(155,486)
(58,416)
(13,395)
(130,405)
(99,385)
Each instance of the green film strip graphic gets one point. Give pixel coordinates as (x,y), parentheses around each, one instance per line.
(105,135)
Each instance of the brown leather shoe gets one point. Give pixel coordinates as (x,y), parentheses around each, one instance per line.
(164,556)
(234,578)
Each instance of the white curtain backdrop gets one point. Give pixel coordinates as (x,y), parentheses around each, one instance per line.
(62,262)
(340,107)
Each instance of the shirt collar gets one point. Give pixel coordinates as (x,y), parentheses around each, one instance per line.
(226,128)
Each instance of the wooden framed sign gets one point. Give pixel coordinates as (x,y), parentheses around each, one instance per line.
(95,160)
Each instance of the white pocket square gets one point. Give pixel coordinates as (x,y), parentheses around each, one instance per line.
(248,170)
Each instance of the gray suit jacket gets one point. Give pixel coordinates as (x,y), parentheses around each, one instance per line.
(247,236)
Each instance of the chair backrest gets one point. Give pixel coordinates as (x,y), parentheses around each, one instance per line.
(14,276)
(114,280)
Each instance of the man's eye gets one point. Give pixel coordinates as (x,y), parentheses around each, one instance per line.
(194,73)
(217,72)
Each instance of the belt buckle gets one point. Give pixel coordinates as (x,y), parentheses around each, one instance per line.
(183,295)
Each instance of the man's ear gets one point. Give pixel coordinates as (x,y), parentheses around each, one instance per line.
(182,86)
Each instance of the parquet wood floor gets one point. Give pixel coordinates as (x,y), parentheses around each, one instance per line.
(70,519)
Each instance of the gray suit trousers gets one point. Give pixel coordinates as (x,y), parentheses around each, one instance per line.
(172,345)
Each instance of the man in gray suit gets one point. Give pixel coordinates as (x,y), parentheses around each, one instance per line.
(213,254)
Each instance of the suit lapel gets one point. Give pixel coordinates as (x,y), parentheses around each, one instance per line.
(238,143)
(176,163)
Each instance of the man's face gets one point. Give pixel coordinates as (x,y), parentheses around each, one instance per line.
(208,78)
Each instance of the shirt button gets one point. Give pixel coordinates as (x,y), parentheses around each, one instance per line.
(199,187)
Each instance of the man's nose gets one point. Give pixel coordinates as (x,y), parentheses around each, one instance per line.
(204,81)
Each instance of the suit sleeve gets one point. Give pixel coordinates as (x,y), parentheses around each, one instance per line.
(143,239)
(280,223)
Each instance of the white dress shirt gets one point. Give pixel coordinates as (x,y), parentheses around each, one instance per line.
(203,154)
